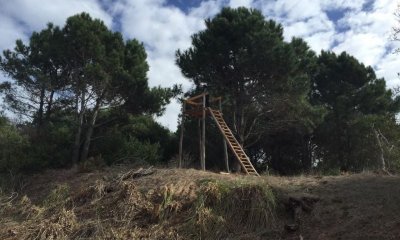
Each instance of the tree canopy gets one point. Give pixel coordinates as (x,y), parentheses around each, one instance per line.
(356,101)
(76,72)
(80,92)
(291,108)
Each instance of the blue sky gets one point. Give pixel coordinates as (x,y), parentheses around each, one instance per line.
(360,27)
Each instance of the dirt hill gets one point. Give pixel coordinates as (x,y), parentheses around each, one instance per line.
(131,203)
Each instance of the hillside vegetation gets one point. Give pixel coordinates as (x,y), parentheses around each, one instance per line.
(79,94)
(130,203)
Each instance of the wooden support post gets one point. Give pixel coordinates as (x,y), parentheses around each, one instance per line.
(224,143)
(203,137)
(200,141)
(181,137)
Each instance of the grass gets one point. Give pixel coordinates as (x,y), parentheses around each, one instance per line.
(190,204)
(225,209)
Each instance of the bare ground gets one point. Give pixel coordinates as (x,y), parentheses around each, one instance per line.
(102,205)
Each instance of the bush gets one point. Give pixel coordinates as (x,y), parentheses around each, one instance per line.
(134,150)
(139,139)
(13,148)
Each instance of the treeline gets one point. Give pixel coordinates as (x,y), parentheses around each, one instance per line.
(81,92)
(292,109)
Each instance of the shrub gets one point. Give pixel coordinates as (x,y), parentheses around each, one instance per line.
(13,148)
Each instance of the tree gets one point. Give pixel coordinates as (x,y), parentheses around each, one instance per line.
(13,147)
(38,73)
(107,72)
(355,100)
(264,80)
(86,68)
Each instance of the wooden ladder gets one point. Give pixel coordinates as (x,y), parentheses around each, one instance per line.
(233,143)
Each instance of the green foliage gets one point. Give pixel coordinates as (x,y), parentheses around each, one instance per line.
(58,196)
(65,77)
(221,205)
(135,139)
(264,81)
(356,102)
(13,147)
(136,151)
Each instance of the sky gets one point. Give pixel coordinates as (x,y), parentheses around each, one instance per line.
(360,27)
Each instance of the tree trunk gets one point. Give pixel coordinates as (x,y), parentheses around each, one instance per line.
(89,132)
(78,133)
(382,157)
(203,137)
(49,105)
(41,107)
(200,141)
(226,159)
(181,135)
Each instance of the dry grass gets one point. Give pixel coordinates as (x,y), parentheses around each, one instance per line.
(190,204)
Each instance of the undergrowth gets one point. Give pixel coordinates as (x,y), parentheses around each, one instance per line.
(225,209)
(119,208)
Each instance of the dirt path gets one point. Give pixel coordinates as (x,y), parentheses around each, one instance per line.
(361,206)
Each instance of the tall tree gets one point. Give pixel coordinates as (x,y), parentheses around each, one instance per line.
(38,74)
(106,72)
(356,100)
(265,80)
(85,68)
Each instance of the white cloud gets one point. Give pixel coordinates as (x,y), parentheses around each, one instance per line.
(320,40)
(35,14)
(18,18)
(240,3)
(299,19)
(9,32)
(367,38)
(356,44)
(388,67)
(354,5)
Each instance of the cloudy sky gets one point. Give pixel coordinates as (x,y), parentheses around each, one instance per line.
(360,27)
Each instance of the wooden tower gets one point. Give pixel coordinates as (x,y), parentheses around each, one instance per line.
(200,107)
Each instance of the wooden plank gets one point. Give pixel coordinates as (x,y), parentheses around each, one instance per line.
(203,163)
(181,137)
(190,102)
(196,97)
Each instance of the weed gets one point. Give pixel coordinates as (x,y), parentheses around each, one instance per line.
(57,197)
(225,207)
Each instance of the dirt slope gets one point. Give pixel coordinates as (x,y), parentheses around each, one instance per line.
(188,204)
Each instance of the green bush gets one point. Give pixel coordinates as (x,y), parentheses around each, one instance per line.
(13,148)
(134,150)
(138,139)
